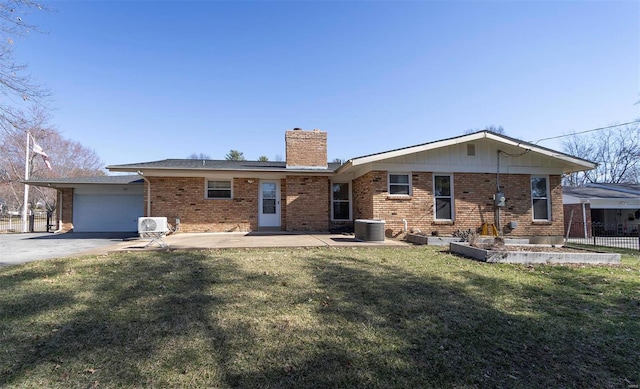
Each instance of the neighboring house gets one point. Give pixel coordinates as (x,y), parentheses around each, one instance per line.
(439,187)
(602,209)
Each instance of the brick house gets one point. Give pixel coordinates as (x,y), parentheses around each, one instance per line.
(463,182)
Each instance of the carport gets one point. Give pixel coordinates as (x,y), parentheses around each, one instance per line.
(97,204)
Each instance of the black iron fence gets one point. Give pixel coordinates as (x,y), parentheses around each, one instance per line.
(38,221)
(601,234)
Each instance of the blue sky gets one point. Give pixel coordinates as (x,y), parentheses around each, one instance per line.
(142,81)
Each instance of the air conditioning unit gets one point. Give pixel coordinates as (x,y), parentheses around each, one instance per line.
(156,225)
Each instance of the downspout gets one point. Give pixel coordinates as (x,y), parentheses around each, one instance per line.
(148,214)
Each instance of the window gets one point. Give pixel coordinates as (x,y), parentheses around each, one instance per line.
(399,184)
(340,201)
(218,189)
(443,196)
(540,198)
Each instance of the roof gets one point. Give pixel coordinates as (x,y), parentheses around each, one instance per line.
(467,138)
(219,165)
(66,182)
(603,191)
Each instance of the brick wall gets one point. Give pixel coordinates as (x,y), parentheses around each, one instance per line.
(66,209)
(474,204)
(307,203)
(306,148)
(184,198)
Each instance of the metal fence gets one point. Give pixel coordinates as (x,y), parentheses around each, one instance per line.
(38,221)
(600,234)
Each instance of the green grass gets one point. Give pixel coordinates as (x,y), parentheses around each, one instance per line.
(291,318)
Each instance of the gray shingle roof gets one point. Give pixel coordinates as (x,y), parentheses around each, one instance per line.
(210,164)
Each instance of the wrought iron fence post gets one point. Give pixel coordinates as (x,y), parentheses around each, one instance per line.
(32,221)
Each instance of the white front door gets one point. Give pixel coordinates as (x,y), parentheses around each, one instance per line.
(269,204)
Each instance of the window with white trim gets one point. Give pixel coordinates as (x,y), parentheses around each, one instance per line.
(540,198)
(443,196)
(219,189)
(399,184)
(340,201)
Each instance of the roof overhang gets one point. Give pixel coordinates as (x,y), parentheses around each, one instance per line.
(200,172)
(74,182)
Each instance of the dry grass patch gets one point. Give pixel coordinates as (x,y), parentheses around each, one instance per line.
(317,318)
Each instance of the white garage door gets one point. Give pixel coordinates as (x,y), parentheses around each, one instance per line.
(106,212)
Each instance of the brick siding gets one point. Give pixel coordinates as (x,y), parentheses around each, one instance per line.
(184,198)
(473,204)
(307,203)
(66,214)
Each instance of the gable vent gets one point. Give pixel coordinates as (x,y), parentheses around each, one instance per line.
(471,149)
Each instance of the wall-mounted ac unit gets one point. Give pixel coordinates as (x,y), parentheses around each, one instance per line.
(152,225)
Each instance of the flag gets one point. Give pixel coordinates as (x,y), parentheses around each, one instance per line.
(38,150)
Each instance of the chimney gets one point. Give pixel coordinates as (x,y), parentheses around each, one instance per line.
(306,149)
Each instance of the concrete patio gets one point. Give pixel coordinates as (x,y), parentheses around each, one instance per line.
(227,240)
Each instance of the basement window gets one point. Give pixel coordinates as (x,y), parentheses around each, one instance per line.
(219,189)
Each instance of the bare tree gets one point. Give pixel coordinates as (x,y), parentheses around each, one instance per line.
(16,86)
(68,159)
(493,128)
(234,155)
(199,156)
(615,150)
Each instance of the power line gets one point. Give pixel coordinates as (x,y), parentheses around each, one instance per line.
(584,132)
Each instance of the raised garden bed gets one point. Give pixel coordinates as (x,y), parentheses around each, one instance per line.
(526,254)
(446,240)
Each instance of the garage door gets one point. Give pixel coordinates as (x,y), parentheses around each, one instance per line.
(107,212)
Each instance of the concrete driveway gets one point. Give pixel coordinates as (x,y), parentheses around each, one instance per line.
(21,248)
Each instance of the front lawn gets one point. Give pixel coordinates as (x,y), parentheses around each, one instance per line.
(292,318)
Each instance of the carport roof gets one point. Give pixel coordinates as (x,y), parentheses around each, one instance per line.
(70,182)
(602,191)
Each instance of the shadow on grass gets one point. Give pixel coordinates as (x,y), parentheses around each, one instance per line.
(322,318)
(122,329)
(389,328)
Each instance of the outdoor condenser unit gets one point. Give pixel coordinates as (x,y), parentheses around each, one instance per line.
(152,225)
